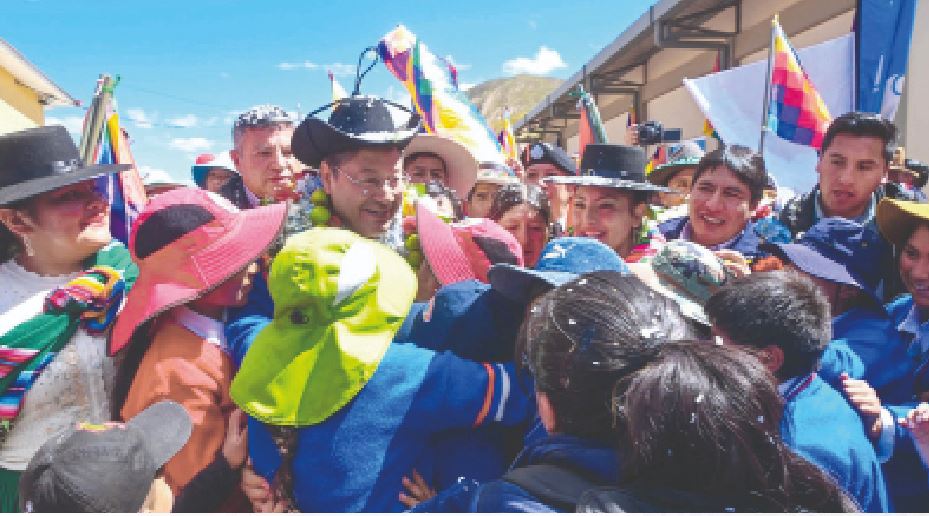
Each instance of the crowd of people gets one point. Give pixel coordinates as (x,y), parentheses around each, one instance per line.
(348,314)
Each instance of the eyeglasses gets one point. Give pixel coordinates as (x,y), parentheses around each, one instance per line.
(370,185)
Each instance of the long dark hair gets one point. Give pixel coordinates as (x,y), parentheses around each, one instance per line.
(581,337)
(511,195)
(706,418)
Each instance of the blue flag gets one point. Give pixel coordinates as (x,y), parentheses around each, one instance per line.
(884,29)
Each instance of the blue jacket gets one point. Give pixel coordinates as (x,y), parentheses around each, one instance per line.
(747,242)
(859,335)
(595,461)
(475,322)
(873,349)
(241,322)
(354,460)
(820,425)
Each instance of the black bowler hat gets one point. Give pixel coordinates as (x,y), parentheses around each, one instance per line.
(356,122)
(612,166)
(40,160)
(546,153)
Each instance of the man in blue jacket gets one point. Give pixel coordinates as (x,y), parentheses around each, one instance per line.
(784,319)
(727,187)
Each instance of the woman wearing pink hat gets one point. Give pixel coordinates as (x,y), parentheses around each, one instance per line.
(61,282)
(196,254)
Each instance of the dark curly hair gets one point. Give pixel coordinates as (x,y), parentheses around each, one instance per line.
(746,164)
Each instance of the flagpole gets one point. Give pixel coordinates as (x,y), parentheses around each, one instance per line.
(89,133)
(767,87)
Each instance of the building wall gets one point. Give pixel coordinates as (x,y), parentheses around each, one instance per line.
(913,115)
(19,105)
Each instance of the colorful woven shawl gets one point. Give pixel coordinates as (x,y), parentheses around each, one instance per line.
(89,301)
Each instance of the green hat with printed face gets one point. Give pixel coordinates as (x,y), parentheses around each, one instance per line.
(338,300)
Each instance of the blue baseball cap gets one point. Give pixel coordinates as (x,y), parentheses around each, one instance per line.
(841,251)
(562,260)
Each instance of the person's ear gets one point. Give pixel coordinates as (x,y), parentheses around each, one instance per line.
(639,210)
(325,177)
(546,411)
(772,357)
(16,221)
(234,154)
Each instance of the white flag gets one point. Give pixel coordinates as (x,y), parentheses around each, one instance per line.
(733,101)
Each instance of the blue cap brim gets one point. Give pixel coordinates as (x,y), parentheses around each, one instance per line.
(515,282)
(809,261)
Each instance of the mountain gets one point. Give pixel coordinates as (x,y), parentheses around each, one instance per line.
(521,93)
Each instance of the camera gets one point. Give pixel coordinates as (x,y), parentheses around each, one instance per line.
(653,133)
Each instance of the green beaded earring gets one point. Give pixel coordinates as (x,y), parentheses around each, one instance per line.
(320,214)
(414,254)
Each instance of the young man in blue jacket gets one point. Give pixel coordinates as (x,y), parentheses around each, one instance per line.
(727,187)
(784,319)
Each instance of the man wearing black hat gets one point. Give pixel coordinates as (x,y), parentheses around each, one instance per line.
(544,160)
(359,155)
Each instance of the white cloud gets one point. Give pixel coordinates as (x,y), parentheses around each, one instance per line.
(460,66)
(154,175)
(185,121)
(544,62)
(340,68)
(296,66)
(139,117)
(192,145)
(465,86)
(398,95)
(74,124)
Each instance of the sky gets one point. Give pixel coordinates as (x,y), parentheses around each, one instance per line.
(187,68)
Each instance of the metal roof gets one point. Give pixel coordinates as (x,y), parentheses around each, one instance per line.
(25,73)
(631,48)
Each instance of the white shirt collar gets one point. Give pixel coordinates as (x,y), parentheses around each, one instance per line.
(206,328)
(912,326)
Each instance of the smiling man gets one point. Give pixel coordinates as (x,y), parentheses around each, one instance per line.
(359,154)
(727,186)
(853,166)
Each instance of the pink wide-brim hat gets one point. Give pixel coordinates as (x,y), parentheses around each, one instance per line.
(464,250)
(187,242)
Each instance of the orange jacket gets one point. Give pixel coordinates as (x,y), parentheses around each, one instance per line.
(183,367)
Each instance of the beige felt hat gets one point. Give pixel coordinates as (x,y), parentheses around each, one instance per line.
(459,163)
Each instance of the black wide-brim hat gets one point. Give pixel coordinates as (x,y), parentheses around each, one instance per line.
(611,166)
(356,122)
(40,160)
